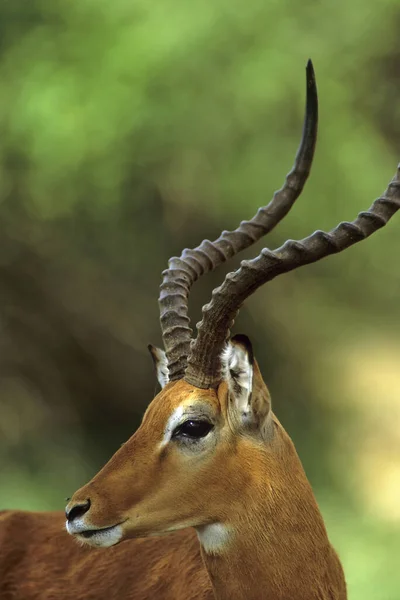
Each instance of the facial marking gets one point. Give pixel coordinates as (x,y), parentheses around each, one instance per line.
(173,421)
(102,538)
(214,537)
(190,409)
(76,526)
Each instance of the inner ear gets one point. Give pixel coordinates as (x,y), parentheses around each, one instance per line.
(249,399)
(160,364)
(238,367)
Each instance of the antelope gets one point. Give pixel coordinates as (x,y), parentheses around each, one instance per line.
(208,499)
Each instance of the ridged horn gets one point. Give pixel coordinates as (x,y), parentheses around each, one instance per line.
(183,271)
(204,368)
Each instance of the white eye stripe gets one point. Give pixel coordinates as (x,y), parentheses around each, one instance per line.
(184,412)
(173,421)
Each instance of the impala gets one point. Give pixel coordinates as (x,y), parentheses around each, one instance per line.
(210,467)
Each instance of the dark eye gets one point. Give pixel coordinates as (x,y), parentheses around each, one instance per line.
(193,429)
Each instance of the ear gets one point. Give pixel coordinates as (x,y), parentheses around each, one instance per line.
(160,364)
(249,400)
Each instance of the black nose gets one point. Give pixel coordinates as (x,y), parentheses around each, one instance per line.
(77,511)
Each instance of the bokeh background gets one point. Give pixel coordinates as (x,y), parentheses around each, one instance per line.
(129,130)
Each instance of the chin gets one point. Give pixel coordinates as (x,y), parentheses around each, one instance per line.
(99,538)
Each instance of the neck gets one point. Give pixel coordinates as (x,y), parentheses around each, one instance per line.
(281,550)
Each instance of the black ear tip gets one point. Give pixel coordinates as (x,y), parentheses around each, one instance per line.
(243,340)
(153,350)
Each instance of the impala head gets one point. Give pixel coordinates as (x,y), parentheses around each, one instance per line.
(194,459)
(176,470)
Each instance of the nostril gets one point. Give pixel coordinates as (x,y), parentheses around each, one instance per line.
(77,511)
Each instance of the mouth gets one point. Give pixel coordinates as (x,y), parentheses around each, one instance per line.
(89,533)
(101,537)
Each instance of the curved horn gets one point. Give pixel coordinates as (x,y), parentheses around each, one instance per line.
(182,272)
(203,369)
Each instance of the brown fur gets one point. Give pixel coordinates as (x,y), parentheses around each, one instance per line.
(251,481)
(40,561)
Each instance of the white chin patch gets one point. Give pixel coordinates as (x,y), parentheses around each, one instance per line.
(100,538)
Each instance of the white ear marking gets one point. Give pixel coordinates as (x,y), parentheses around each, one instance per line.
(161,364)
(237,365)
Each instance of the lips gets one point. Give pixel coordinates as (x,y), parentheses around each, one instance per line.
(101,537)
(88,533)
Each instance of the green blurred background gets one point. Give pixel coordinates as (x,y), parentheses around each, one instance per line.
(130,130)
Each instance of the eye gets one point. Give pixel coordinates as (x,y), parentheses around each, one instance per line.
(193,429)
